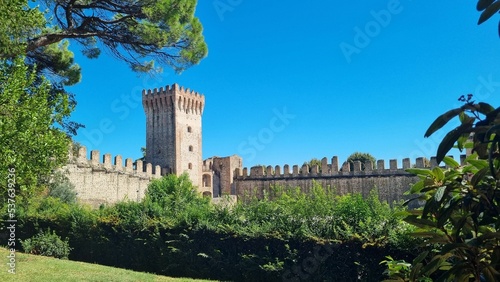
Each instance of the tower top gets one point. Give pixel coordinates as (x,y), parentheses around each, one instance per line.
(183,98)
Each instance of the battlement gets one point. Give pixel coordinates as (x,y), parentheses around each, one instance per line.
(137,169)
(332,169)
(173,97)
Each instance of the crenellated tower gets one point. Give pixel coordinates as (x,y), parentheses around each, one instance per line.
(173,130)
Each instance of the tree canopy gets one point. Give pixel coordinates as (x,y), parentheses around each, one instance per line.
(362,157)
(30,144)
(135,31)
(313,162)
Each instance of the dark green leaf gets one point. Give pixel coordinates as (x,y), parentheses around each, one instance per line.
(450,139)
(442,120)
(492,235)
(492,115)
(479,176)
(483,4)
(458,226)
(415,271)
(495,257)
(450,247)
(489,11)
(490,274)
(432,266)
(419,222)
(429,206)
(484,108)
(420,257)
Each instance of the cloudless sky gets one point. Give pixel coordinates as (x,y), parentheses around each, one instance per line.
(287,81)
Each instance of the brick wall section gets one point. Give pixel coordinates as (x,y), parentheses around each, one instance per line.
(173,130)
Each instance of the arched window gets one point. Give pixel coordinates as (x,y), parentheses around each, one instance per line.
(190,148)
(207,180)
(189,129)
(190,166)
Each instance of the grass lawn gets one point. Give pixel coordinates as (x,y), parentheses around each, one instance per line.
(39,268)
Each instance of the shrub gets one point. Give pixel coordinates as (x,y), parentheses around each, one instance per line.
(47,244)
(61,188)
(461,216)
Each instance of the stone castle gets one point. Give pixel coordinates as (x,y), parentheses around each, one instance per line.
(174,145)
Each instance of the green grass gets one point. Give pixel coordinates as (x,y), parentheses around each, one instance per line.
(39,268)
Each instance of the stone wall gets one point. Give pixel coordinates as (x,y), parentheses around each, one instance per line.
(390,182)
(99,182)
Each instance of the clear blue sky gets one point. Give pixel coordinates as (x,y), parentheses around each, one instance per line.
(285,82)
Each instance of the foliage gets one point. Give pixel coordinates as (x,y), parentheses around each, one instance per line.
(361,157)
(163,30)
(47,244)
(427,163)
(17,22)
(60,187)
(488,8)
(20,22)
(461,216)
(172,196)
(176,232)
(30,144)
(137,32)
(321,213)
(399,270)
(313,162)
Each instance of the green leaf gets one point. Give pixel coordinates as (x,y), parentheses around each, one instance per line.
(432,266)
(420,171)
(450,247)
(450,139)
(489,11)
(492,235)
(479,176)
(417,187)
(484,108)
(415,271)
(479,164)
(449,161)
(420,257)
(442,120)
(490,274)
(419,222)
(438,173)
(426,234)
(483,4)
(439,193)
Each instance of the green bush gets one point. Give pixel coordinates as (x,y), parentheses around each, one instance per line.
(47,244)
(175,199)
(176,232)
(63,190)
(460,221)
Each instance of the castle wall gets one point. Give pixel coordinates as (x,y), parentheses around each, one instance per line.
(99,182)
(224,172)
(390,182)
